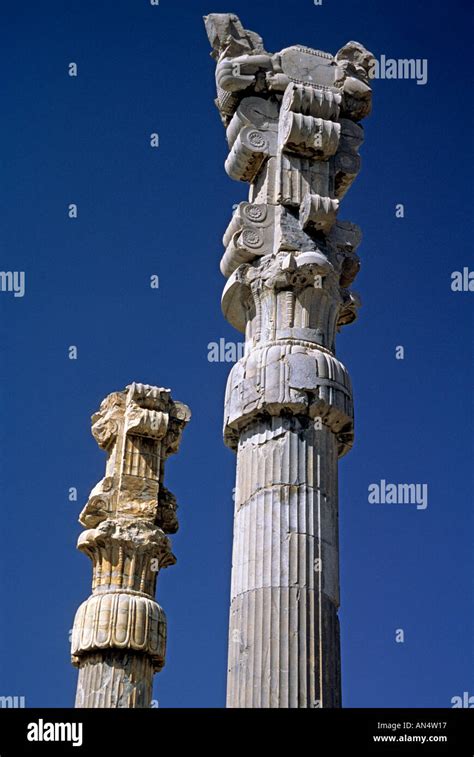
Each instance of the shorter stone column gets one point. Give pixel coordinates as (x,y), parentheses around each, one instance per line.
(119,633)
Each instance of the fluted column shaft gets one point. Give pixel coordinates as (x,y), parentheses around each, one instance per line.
(115,680)
(283,640)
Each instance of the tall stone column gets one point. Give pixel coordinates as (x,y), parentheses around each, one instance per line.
(292,126)
(119,633)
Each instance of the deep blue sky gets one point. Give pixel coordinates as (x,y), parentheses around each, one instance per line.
(85,140)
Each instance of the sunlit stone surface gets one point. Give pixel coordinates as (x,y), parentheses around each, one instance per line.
(292,125)
(119,634)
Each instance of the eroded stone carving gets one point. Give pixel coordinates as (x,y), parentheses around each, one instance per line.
(292,126)
(127,516)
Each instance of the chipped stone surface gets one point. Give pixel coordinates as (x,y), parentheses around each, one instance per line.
(119,633)
(292,127)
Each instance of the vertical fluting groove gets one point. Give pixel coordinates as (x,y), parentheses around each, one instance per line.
(114,680)
(320,573)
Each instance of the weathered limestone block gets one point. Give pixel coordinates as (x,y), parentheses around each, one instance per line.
(309,101)
(346,163)
(120,621)
(308,136)
(354,61)
(255,112)
(293,131)
(296,177)
(318,213)
(289,378)
(248,153)
(114,679)
(119,633)
(249,233)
